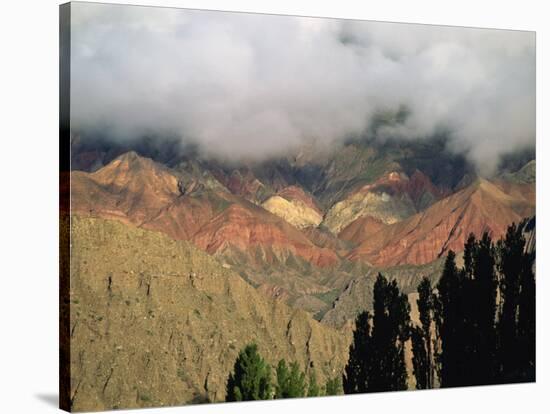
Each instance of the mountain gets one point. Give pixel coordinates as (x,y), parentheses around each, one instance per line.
(139,191)
(391,198)
(295,206)
(264,236)
(525,175)
(243,182)
(426,236)
(130,188)
(357,294)
(277,235)
(178,261)
(360,229)
(145,306)
(189,203)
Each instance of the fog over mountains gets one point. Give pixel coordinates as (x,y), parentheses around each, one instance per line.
(253,87)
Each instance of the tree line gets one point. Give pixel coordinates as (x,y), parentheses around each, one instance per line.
(476,327)
(251,379)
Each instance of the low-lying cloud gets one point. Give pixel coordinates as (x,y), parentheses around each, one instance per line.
(257,86)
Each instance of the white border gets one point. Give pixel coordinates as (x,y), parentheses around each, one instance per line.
(28,170)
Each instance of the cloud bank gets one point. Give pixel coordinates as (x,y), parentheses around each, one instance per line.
(258,86)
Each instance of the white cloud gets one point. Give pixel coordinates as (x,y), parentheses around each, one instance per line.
(255,86)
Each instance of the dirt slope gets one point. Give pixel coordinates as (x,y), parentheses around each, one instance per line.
(158,322)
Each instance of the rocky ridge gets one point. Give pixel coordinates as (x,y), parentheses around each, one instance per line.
(156,321)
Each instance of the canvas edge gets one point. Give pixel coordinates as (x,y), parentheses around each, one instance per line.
(64,206)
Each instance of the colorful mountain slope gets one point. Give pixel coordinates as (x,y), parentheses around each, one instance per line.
(139,191)
(391,198)
(424,237)
(130,188)
(293,205)
(252,229)
(144,193)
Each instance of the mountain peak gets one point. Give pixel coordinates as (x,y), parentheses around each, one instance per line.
(133,159)
(129,156)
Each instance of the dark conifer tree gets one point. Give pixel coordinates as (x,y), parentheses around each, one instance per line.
(485,326)
(511,253)
(420,358)
(377,358)
(483,297)
(479,293)
(482,341)
(297,382)
(391,324)
(516,327)
(451,324)
(467,295)
(356,374)
(526,324)
(422,337)
(251,377)
(282,374)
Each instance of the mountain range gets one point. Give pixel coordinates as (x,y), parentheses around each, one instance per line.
(303,236)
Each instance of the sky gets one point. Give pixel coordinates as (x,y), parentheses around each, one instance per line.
(253,87)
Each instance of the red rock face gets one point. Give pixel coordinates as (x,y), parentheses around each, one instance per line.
(419,185)
(130,188)
(140,192)
(361,229)
(248,228)
(183,218)
(445,226)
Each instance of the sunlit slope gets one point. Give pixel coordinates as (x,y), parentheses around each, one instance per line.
(158,322)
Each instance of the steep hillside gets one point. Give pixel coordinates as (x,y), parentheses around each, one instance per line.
(147,307)
(281,247)
(357,295)
(293,205)
(243,182)
(361,229)
(391,198)
(525,174)
(130,188)
(264,236)
(189,203)
(137,190)
(424,237)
